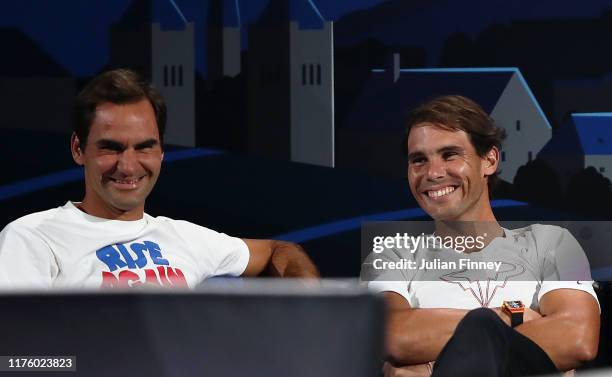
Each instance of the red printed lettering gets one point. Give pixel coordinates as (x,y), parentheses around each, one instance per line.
(177,277)
(161,277)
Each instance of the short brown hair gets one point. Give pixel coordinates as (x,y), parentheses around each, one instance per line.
(458,113)
(119,86)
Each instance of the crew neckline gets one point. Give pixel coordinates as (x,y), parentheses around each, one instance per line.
(124,224)
(507,233)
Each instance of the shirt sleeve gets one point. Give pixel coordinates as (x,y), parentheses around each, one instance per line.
(217,253)
(235,261)
(399,287)
(26,260)
(566,267)
(380,277)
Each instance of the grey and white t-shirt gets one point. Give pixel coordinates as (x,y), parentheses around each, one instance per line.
(528,262)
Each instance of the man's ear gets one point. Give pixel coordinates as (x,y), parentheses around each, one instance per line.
(75,148)
(491,161)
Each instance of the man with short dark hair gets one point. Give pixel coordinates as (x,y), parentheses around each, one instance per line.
(549,324)
(107,240)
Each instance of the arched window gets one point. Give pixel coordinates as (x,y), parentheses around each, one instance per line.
(318,74)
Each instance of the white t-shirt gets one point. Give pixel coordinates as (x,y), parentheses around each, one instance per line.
(66,248)
(533,261)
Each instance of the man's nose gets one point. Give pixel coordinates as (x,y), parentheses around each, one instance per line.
(436,169)
(127,162)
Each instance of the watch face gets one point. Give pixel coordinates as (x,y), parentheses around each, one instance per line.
(514,304)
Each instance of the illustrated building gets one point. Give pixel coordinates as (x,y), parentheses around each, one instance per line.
(584,140)
(164,55)
(371,136)
(224,46)
(290,84)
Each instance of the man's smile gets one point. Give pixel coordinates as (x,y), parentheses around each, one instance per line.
(125,183)
(438,193)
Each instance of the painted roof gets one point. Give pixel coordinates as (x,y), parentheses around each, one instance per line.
(382,103)
(564,142)
(583,134)
(594,132)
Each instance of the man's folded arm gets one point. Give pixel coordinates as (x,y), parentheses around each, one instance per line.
(416,336)
(569,329)
(278,259)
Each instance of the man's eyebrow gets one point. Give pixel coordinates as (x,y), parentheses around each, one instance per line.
(110,144)
(450,148)
(446,148)
(414,155)
(146,144)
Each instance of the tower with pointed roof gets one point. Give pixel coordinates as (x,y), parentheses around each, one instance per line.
(290,84)
(223,39)
(164,55)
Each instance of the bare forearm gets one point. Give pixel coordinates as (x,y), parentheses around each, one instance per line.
(568,341)
(568,330)
(416,336)
(290,260)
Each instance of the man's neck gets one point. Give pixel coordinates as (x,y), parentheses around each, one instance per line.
(479,221)
(104,211)
(468,228)
(482,232)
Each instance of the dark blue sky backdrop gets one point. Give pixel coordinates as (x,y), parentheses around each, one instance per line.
(75,32)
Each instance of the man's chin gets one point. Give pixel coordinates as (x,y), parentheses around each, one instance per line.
(442,214)
(128,205)
(127,200)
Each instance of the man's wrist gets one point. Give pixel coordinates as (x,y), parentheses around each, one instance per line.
(503,316)
(515,310)
(290,260)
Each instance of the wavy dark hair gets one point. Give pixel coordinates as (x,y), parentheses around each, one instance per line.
(455,112)
(119,86)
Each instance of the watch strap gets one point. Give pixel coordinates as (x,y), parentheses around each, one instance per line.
(516,318)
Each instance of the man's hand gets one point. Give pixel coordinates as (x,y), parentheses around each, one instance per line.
(529,315)
(278,259)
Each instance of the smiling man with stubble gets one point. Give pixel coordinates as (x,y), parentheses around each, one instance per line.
(454,325)
(107,240)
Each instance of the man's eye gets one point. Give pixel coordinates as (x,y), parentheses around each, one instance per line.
(448,155)
(108,150)
(417,161)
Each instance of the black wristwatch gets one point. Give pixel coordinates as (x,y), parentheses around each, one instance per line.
(515,310)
